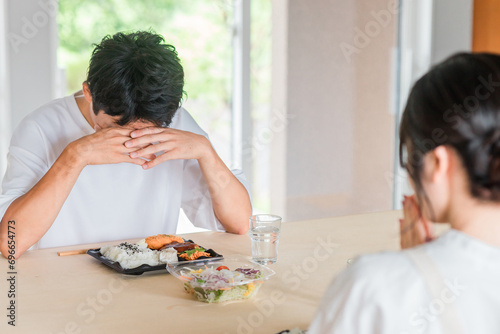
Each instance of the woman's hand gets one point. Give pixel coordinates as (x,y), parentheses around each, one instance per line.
(414,228)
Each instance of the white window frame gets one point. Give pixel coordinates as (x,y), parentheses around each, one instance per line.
(414,59)
(426,35)
(241,126)
(241,120)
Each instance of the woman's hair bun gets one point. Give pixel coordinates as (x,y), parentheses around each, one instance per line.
(486,166)
(457,103)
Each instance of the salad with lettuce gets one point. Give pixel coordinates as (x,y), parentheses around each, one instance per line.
(219,284)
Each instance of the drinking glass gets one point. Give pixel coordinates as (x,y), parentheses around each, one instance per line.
(265,233)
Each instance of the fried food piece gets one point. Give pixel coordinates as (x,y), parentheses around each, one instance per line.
(160,240)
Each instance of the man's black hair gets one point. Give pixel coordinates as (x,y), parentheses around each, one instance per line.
(137,77)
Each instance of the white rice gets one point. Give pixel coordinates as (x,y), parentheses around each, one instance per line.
(134,255)
(142,243)
(168,255)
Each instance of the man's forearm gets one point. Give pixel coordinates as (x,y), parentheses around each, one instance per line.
(35,211)
(230,199)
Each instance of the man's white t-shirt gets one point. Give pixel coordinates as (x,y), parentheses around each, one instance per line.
(108,202)
(386,293)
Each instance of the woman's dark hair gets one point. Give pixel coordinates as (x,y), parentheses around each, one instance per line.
(457,103)
(137,77)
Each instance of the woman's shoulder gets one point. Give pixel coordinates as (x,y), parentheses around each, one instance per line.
(376,263)
(383,272)
(374,288)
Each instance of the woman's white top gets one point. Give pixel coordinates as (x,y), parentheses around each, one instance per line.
(450,285)
(108,202)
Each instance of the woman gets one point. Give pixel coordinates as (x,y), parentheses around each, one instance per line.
(450,134)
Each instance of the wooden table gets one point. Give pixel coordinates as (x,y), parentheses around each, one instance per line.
(78,294)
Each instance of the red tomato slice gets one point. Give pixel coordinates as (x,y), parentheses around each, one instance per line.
(221,268)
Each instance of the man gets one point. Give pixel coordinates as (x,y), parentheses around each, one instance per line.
(119,159)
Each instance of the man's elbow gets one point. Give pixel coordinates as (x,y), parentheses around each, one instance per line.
(10,251)
(241,229)
(243,225)
(4,250)
(7,255)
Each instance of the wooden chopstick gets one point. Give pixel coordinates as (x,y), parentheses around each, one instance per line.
(73,252)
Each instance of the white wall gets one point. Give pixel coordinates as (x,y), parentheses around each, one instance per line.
(32,50)
(4,93)
(320,98)
(28,62)
(336,151)
(452,28)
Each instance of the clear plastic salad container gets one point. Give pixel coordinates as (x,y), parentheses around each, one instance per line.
(215,282)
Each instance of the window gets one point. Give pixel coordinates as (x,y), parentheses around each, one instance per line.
(202,32)
(260,83)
